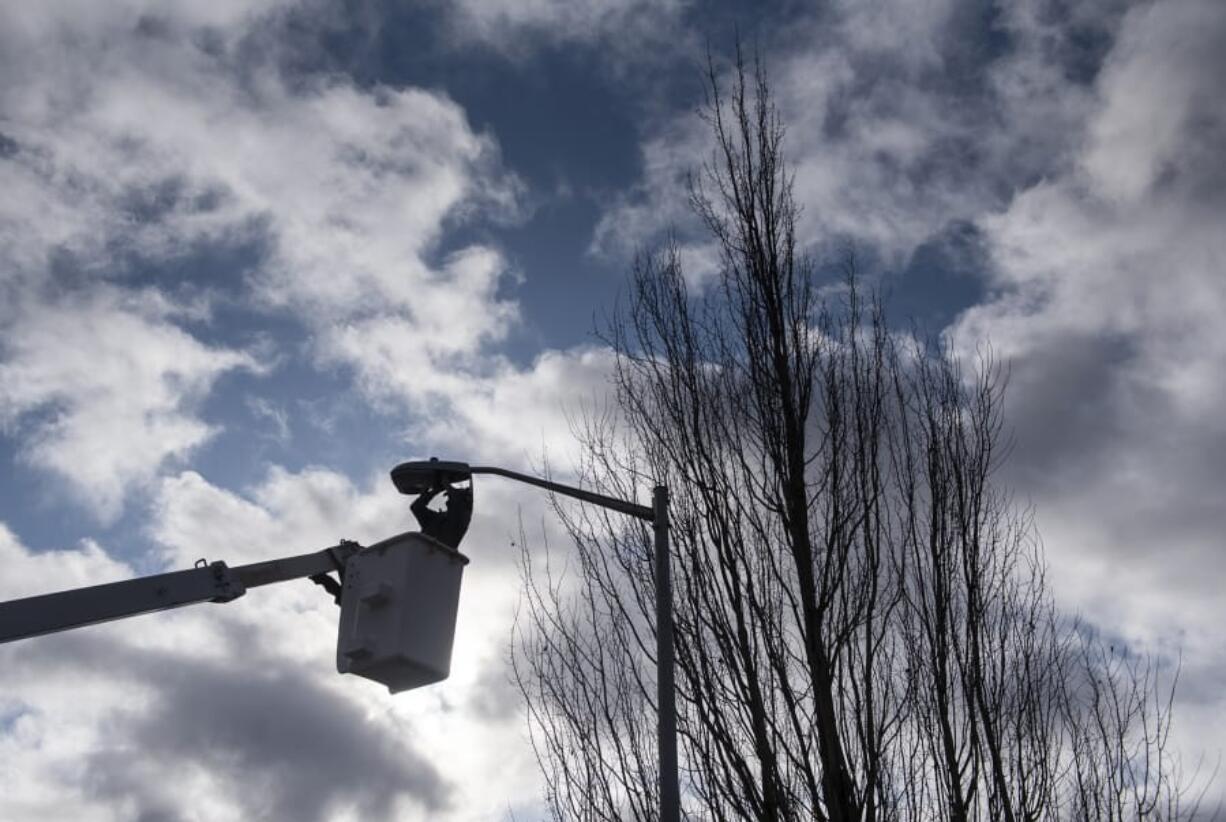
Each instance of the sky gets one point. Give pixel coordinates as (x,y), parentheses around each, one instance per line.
(254,254)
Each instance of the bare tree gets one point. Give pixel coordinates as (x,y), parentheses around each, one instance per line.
(863,628)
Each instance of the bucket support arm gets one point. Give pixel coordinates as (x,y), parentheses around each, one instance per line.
(214,582)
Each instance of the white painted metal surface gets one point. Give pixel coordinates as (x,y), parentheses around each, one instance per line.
(398,611)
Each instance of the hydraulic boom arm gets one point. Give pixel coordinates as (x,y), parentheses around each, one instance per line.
(33,616)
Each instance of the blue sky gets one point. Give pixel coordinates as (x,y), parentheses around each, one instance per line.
(254,254)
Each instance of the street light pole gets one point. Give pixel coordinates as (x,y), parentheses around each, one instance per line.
(416,477)
(666,695)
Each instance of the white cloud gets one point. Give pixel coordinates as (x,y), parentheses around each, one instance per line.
(102,388)
(658,202)
(517,416)
(351,186)
(54,18)
(276,416)
(351,191)
(149,139)
(900,122)
(30,574)
(626,27)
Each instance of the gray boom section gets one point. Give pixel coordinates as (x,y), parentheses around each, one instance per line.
(297,567)
(60,611)
(48,613)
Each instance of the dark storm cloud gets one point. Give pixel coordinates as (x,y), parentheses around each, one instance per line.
(1096,441)
(275,740)
(1066,409)
(1089,426)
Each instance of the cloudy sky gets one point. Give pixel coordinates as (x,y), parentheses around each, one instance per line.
(253,254)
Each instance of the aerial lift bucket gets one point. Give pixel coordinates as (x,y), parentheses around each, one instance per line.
(398,611)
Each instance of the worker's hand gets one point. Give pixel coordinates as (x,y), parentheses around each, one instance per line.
(459,498)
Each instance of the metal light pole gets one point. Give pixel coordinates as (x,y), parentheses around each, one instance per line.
(418,477)
(666,694)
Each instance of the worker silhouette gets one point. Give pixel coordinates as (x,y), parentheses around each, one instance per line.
(449,525)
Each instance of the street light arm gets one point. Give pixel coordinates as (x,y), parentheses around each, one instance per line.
(619,505)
